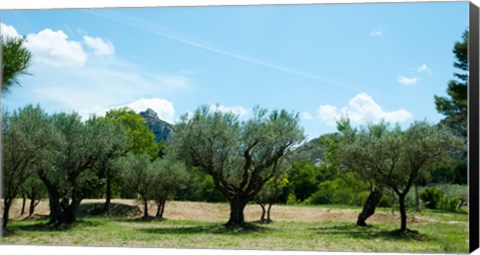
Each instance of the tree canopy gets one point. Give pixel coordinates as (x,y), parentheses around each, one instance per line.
(241,156)
(454,107)
(140,138)
(29,140)
(394,158)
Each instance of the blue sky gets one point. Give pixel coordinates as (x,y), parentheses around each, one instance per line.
(365,61)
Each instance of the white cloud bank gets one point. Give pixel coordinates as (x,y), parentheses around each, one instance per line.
(8,31)
(97,82)
(100,46)
(162,107)
(407,80)
(360,110)
(53,48)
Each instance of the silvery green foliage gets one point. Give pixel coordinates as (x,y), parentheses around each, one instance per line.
(118,138)
(137,173)
(170,176)
(240,155)
(390,157)
(85,143)
(29,141)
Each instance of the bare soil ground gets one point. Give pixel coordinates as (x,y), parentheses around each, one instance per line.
(217,212)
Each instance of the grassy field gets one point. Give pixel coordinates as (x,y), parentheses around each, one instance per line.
(200,225)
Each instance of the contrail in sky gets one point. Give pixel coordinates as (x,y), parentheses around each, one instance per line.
(159,30)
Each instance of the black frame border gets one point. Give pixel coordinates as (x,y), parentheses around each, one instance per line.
(473,127)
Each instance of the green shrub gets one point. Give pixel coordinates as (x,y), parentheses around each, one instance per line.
(431,197)
(449,203)
(342,190)
(292,199)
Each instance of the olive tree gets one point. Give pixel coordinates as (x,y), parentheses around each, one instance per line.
(170,176)
(29,138)
(137,139)
(364,152)
(241,156)
(394,158)
(34,190)
(106,167)
(139,176)
(269,195)
(422,145)
(68,178)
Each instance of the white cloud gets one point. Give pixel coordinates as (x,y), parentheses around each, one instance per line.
(8,31)
(101,85)
(406,80)
(237,110)
(424,69)
(162,107)
(360,110)
(100,47)
(53,48)
(377,33)
(307,116)
(328,114)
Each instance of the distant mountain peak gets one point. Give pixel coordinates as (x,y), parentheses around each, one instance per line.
(150,112)
(162,129)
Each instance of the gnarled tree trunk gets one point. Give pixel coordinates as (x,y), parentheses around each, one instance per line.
(370,206)
(33,204)
(69,214)
(268,212)
(237,205)
(7,203)
(145,208)
(403,212)
(54,204)
(262,218)
(161,207)
(108,195)
(24,201)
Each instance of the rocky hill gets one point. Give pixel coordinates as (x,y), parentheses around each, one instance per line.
(160,128)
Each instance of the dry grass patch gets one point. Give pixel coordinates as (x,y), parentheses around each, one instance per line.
(218,212)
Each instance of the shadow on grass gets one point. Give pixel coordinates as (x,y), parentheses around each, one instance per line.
(140,219)
(372,232)
(42,226)
(206,229)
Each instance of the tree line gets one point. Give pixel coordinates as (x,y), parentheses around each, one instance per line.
(257,160)
(248,161)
